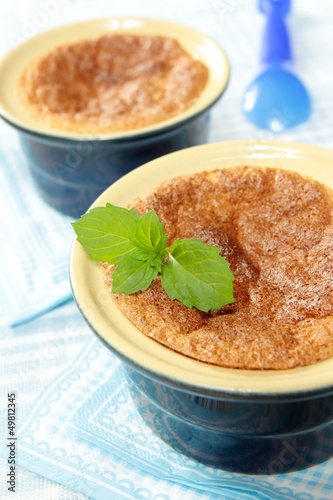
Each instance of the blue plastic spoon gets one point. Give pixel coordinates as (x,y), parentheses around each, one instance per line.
(276,99)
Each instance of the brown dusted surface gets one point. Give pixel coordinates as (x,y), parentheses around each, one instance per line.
(111,84)
(276,230)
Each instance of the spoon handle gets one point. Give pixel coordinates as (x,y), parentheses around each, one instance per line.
(276,43)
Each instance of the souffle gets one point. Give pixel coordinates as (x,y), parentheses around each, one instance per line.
(275,228)
(114,83)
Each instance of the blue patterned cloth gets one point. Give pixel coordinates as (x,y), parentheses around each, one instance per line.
(80,434)
(87,433)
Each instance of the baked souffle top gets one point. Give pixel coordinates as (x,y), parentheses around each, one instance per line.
(275,228)
(114,83)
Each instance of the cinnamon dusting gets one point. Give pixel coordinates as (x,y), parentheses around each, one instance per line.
(114,83)
(275,228)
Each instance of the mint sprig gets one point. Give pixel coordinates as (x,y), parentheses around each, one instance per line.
(192,271)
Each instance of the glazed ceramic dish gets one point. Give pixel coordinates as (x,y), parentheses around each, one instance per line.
(72,169)
(198,397)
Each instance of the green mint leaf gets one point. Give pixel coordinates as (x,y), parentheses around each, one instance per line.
(133,273)
(148,233)
(197,275)
(145,256)
(137,269)
(194,272)
(104,232)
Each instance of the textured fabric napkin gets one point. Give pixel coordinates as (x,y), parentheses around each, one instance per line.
(86,432)
(32,355)
(34,244)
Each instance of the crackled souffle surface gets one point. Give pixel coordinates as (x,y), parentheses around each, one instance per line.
(112,83)
(275,228)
